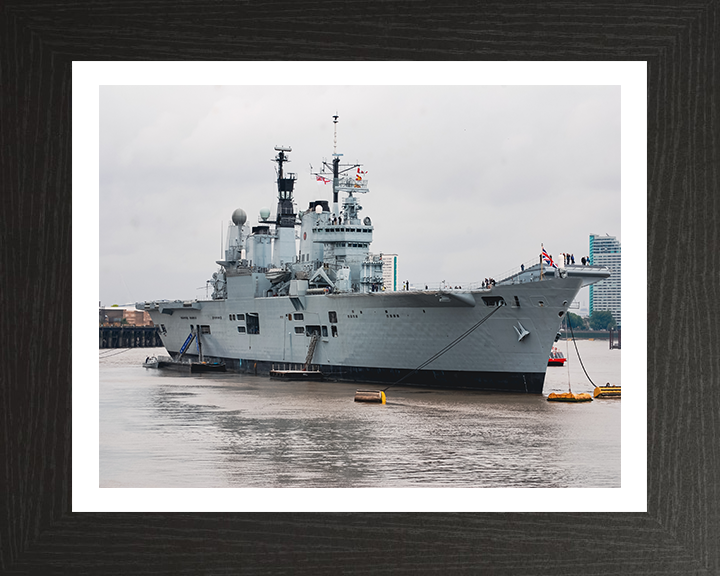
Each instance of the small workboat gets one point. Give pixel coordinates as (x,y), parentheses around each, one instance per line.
(556,358)
(194,366)
(205,366)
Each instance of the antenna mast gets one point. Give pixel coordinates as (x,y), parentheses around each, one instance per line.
(336,168)
(337,171)
(335,121)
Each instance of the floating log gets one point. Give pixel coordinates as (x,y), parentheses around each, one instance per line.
(375,396)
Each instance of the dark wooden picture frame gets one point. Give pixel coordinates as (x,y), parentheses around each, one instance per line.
(680,532)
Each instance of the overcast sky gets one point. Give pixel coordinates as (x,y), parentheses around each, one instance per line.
(465,182)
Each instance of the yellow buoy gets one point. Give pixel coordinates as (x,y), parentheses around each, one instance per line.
(569,397)
(607,391)
(376,396)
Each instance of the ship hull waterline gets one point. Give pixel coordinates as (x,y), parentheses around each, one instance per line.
(527,383)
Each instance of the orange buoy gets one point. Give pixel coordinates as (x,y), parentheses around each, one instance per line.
(607,391)
(569,397)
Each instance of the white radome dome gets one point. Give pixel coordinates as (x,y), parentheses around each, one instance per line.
(239,217)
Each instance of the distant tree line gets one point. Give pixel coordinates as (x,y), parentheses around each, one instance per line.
(598,320)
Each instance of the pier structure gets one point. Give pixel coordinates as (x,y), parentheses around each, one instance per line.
(129,337)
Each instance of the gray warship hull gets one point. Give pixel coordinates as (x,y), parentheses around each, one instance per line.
(318,301)
(381,337)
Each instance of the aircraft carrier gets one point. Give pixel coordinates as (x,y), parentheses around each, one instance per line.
(303,290)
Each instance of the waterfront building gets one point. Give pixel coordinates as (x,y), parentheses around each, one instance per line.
(130,316)
(389,270)
(605,295)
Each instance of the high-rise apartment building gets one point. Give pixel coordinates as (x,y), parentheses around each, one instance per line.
(389,270)
(605,295)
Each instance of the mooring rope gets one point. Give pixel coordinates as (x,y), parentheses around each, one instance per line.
(567,318)
(448,347)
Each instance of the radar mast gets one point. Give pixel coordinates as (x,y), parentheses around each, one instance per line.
(286,217)
(346,184)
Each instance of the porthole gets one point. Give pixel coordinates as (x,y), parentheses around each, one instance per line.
(561,313)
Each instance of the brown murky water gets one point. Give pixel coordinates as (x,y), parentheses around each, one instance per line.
(166,429)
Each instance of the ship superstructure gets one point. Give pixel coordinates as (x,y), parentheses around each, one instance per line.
(318,299)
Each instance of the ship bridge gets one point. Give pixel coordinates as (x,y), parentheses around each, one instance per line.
(343,233)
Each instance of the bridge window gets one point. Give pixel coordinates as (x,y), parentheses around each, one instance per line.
(324,331)
(332,316)
(204,329)
(241,329)
(299,317)
(299,330)
(334,331)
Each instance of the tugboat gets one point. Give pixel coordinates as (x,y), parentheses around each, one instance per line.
(316,298)
(556,358)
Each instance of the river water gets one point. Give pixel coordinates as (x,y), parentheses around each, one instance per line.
(168,429)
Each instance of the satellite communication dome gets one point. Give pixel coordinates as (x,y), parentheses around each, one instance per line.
(264,213)
(318,209)
(239,217)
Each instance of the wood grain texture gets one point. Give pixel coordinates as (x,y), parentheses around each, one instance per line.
(680,533)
